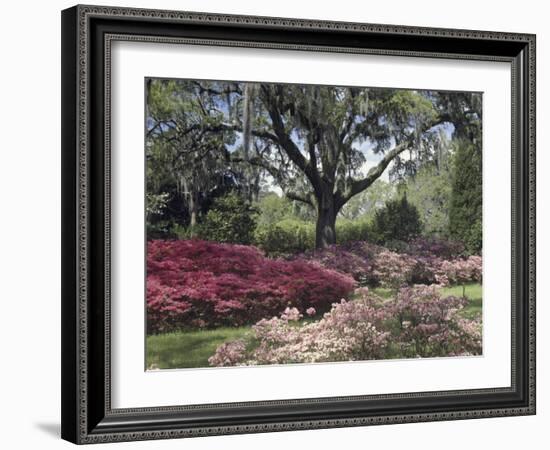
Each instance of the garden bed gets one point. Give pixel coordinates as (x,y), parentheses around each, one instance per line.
(192,348)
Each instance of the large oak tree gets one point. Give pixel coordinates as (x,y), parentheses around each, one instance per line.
(312,141)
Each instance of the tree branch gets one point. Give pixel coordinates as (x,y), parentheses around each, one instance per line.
(259,162)
(283,138)
(357,186)
(299,198)
(211,91)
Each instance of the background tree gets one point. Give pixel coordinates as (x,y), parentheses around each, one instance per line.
(230,219)
(429,190)
(398,220)
(183,160)
(466,204)
(365,204)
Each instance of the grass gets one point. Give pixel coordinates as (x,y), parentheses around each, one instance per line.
(473,292)
(188,349)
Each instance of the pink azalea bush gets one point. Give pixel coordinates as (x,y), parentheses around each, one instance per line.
(424,262)
(445,272)
(393,269)
(429,325)
(417,323)
(348,332)
(441,248)
(194,283)
(459,271)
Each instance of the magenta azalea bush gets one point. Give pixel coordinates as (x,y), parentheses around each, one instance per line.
(352,258)
(417,323)
(194,283)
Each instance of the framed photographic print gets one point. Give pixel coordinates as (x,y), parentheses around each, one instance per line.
(279,224)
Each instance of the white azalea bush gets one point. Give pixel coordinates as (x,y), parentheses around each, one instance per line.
(417,323)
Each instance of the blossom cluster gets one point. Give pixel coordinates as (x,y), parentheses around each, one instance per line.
(195,283)
(417,323)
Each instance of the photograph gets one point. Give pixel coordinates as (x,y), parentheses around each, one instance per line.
(301,224)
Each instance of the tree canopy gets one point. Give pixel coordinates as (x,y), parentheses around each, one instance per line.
(311,142)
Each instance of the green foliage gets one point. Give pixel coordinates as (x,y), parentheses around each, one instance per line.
(430,192)
(291,236)
(183,232)
(406,106)
(273,209)
(182,162)
(398,220)
(364,205)
(159,229)
(158,223)
(474,240)
(282,227)
(466,204)
(156,203)
(287,236)
(352,230)
(231,219)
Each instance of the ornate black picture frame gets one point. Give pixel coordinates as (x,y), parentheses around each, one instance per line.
(87,34)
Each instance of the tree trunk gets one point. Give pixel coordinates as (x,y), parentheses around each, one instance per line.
(193,220)
(325,230)
(193,212)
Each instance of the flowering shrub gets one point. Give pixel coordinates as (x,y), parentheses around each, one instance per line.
(429,325)
(340,259)
(417,323)
(441,248)
(393,269)
(194,283)
(459,271)
(347,333)
(229,353)
(375,265)
(445,272)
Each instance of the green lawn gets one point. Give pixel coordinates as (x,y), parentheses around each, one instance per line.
(473,292)
(187,349)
